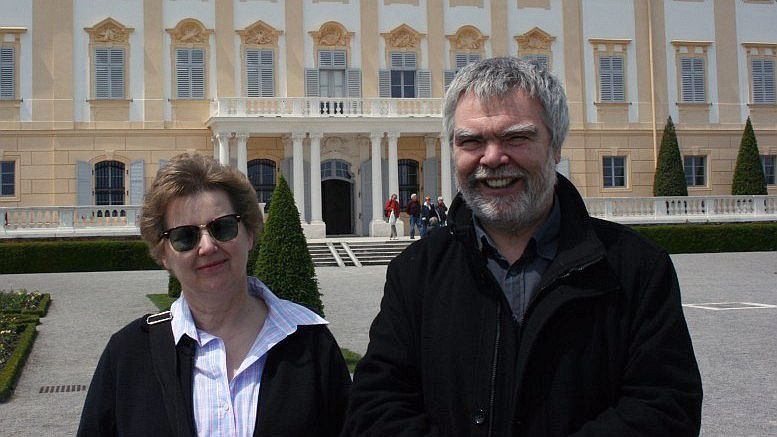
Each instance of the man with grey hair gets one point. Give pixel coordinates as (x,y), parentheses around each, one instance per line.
(524,316)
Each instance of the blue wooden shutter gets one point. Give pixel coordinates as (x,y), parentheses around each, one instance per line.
(618,91)
(198,73)
(183,74)
(447,78)
(253,80)
(83,183)
(311,82)
(698,81)
(384,83)
(137,176)
(605,79)
(353,77)
(423,84)
(267,72)
(7,73)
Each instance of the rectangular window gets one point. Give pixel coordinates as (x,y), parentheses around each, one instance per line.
(695,171)
(769,162)
(763,81)
(464,59)
(7,178)
(692,84)
(614,171)
(403,74)
(108,73)
(541,60)
(331,75)
(260,81)
(7,73)
(611,80)
(190,73)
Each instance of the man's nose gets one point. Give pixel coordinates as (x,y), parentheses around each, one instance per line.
(494,154)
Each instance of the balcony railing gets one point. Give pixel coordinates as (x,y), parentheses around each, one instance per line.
(73,221)
(324,107)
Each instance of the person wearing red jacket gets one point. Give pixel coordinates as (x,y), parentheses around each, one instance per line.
(392,212)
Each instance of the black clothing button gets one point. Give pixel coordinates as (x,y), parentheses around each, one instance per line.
(480,417)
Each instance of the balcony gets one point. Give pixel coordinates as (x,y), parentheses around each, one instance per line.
(322,107)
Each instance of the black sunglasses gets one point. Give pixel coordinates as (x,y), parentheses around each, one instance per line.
(185,238)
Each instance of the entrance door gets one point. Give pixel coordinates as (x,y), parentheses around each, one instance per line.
(336,204)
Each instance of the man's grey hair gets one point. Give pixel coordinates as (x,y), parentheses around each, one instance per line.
(499,78)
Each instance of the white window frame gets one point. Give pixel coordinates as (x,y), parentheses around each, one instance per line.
(693,79)
(694,173)
(15,173)
(110,73)
(190,70)
(260,72)
(608,161)
(771,160)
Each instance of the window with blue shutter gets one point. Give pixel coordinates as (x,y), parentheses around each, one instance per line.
(109,183)
(692,80)
(611,80)
(403,74)
(7,73)
(7,178)
(541,60)
(109,73)
(260,77)
(190,73)
(332,73)
(763,81)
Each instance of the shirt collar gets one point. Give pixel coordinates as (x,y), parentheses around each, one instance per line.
(545,238)
(283,316)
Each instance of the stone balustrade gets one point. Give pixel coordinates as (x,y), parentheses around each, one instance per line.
(324,107)
(122,220)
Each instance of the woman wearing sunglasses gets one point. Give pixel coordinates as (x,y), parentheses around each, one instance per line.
(229,358)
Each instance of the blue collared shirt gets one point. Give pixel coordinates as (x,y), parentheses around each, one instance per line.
(223,407)
(519,281)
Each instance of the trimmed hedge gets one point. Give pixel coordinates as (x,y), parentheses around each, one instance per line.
(13,368)
(41,311)
(713,238)
(74,256)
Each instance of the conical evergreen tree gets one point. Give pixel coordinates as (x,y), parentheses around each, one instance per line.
(748,174)
(669,179)
(284,263)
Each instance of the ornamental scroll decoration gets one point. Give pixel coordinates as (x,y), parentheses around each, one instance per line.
(534,41)
(467,38)
(109,31)
(403,37)
(190,31)
(260,34)
(332,34)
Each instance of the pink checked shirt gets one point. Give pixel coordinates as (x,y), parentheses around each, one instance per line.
(228,408)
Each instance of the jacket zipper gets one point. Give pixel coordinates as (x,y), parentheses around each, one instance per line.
(497,341)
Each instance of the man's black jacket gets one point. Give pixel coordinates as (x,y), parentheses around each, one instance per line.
(304,388)
(604,348)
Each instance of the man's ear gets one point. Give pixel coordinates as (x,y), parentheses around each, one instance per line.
(557,156)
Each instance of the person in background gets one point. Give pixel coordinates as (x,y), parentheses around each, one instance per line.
(427,211)
(230,357)
(442,211)
(392,212)
(526,316)
(413,210)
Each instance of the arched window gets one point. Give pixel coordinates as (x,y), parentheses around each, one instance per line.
(261,173)
(336,169)
(408,180)
(109,183)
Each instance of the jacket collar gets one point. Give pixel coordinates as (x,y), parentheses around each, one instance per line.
(578,243)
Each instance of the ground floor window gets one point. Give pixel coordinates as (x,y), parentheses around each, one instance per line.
(695,171)
(614,171)
(408,180)
(768,162)
(109,183)
(7,178)
(261,173)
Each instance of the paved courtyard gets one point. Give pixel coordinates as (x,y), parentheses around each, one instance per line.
(736,348)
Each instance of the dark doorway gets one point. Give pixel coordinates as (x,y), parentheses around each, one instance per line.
(336,205)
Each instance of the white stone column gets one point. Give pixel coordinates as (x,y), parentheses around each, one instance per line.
(242,152)
(214,141)
(377,224)
(299,173)
(223,138)
(393,163)
(317,227)
(445,170)
(431,142)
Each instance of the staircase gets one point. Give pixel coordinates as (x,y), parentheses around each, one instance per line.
(356,253)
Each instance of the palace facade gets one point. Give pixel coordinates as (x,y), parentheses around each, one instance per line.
(343,97)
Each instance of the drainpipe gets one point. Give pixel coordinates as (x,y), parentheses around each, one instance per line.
(652,85)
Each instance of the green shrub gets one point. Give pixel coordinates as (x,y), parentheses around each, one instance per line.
(74,256)
(748,174)
(284,263)
(173,286)
(713,238)
(13,368)
(22,302)
(669,179)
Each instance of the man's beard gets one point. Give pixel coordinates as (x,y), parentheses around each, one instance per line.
(516,211)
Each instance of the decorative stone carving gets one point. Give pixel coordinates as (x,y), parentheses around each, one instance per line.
(109,31)
(403,37)
(535,40)
(467,38)
(190,31)
(332,34)
(260,34)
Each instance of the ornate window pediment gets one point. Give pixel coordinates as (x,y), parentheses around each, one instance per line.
(403,37)
(467,38)
(332,34)
(260,34)
(190,31)
(109,31)
(534,40)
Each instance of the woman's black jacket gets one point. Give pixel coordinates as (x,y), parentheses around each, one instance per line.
(604,348)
